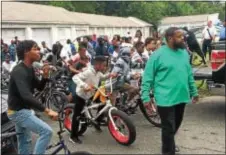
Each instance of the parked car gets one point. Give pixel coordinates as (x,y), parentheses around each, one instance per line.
(216,77)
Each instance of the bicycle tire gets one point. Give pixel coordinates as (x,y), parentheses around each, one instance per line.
(68,109)
(144,112)
(58,105)
(131,107)
(129,124)
(80,153)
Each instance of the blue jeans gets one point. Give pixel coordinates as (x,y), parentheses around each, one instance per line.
(26,122)
(72,87)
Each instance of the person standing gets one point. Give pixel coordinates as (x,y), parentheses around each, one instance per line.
(169,74)
(7,64)
(100,49)
(12,51)
(17,41)
(21,100)
(4,51)
(150,46)
(66,53)
(223,32)
(193,45)
(209,34)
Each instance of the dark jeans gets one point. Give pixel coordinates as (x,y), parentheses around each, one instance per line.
(171,118)
(79,106)
(206,47)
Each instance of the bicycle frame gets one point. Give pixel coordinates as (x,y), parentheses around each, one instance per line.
(60,146)
(108,107)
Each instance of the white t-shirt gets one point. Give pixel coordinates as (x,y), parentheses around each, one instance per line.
(66,52)
(212,31)
(115,54)
(127,45)
(6,67)
(4,104)
(147,53)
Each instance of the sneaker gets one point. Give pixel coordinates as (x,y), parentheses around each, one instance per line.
(75,140)
(98,129)
(177,149)
(102,122)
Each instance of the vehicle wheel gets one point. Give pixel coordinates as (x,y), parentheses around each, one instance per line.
(122,122)
(120,104)
(68,111)
(80,153)
(152,118)
(56,101)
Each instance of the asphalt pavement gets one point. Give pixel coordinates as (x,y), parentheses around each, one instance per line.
(202,132)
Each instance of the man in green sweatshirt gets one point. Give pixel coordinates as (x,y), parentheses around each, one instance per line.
(169,74)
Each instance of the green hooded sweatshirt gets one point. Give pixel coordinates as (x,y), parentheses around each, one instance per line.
(169,74)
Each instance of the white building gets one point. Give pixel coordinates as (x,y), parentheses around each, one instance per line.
(188,21)
(51,24)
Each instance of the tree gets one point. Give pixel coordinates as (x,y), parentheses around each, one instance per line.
(151,11)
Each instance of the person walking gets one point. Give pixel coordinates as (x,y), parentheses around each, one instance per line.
(169,74)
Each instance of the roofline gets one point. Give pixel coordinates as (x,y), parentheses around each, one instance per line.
(191,15)
(94,25)
(41,22)
(181,22)
(137,20)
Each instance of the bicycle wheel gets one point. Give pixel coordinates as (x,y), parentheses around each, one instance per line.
(68,111)
(56,101)
(126,107)
(122,122)
(80,153)
(196,60)
(153,118)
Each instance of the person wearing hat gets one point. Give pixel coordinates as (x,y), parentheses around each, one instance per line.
(223,32)
(85,90)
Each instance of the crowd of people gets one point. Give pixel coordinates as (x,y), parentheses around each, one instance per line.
(161,58)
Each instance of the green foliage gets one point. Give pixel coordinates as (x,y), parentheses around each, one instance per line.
(150,11)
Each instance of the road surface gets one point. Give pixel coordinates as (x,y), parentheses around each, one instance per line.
(202,132)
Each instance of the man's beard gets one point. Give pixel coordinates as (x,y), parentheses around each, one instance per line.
(179,45)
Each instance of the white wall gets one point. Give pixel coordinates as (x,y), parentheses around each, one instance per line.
(64,32)
(9,34)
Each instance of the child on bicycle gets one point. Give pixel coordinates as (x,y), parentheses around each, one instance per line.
(86,81)
(122,68)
